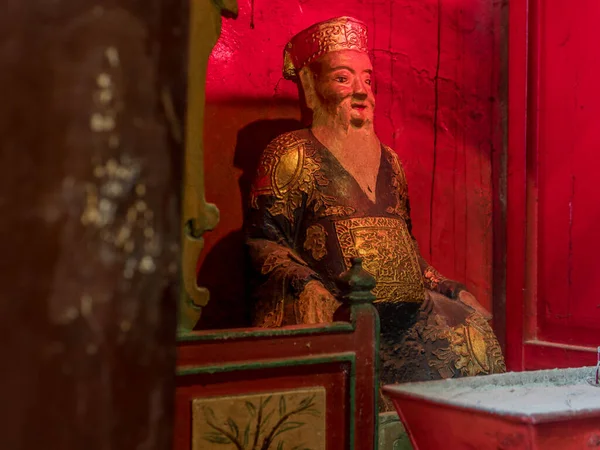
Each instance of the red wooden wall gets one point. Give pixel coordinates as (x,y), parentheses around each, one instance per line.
(553,292)
(437,67)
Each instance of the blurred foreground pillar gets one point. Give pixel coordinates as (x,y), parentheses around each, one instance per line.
(90,156)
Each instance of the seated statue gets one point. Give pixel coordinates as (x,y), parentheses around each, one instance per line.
(332,192)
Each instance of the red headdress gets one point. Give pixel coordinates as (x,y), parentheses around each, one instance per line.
(340,33)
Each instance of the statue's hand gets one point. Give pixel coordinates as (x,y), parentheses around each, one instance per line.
(469,299)
(315,304)
(316,291)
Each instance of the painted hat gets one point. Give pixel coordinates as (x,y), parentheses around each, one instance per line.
(340,33)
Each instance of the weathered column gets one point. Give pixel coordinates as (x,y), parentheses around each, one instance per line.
(92,95)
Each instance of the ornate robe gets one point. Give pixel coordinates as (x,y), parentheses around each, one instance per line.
(308,217)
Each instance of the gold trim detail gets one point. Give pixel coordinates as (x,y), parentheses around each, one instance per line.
(337,211)
(473,348)
(289,169)
(341,33)
(399,184)
(388,254)
(316,240)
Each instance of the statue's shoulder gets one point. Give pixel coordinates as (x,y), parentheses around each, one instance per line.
(399,183)
(282,162)
(292,141)
(285,155)
(393,159)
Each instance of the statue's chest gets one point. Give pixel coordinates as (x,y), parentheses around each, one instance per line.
(363,170)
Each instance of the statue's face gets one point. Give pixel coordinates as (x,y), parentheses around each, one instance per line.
(343,86)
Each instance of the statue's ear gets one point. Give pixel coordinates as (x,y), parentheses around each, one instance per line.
(307,80)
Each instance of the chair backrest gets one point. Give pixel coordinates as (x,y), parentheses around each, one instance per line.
(289,388)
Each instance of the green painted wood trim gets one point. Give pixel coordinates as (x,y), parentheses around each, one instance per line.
(336,327)
(268,364)
(199,336)
(348,357)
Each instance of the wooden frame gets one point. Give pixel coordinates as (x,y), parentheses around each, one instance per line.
(516,181)
(197,216)
(526,351)
(340,357)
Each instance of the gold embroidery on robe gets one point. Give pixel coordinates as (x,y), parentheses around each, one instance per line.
(399,184)
(337,211)
(290,168)
(271,316)
(315,242)
(472,350)
(388,254)
(279,256)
